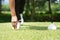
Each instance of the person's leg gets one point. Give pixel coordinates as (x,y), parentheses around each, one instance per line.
(19,10)
(21,20)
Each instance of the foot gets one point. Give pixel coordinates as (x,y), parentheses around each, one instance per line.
(21,21)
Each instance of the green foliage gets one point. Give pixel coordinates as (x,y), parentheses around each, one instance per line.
(41,12)
(5,17)
(43,17)
(5,8)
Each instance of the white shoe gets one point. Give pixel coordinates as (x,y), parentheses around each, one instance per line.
(21,21)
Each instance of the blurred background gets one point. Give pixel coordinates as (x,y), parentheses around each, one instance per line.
(34,10)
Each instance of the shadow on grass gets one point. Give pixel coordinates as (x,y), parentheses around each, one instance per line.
(5,18)
(38,28)
(34,27)
(58,28)
(30,27)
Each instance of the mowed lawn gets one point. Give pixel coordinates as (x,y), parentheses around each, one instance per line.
(30,31)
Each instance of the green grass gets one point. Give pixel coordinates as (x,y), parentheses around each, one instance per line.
(30,31)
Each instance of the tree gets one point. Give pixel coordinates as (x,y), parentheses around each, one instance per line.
(27,7)
(32,9)
(50,11)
